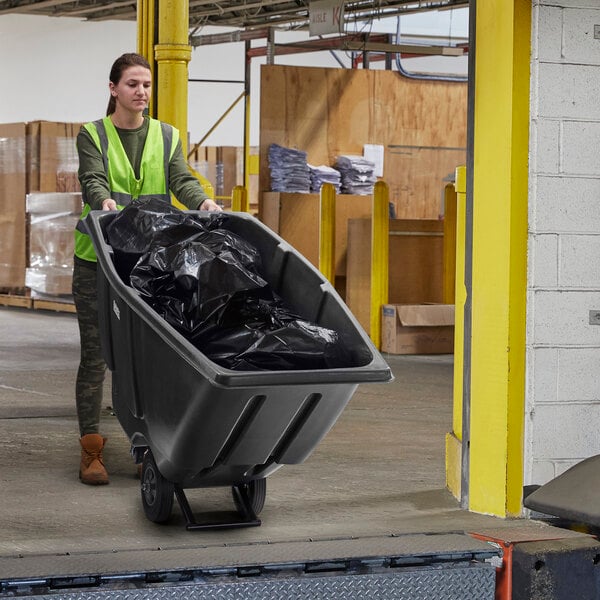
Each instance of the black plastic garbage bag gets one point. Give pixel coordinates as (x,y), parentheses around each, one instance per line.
(268,336)
(206,282)
(140,225)
(191,283)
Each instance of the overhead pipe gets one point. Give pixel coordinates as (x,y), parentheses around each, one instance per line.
(226,38)
(376,43)
(423,76)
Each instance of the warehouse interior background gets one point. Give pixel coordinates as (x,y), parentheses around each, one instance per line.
(542,132)
(46,79)
(532,188)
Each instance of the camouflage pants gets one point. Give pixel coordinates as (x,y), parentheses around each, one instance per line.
(90,375)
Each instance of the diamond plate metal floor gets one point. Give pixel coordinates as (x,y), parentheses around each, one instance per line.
(475,582)
(449,566)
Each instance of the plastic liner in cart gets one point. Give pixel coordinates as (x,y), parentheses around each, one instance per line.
(199,424)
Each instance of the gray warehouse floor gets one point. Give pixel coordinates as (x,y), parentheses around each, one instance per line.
(379,472)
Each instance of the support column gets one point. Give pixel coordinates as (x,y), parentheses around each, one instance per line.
(146,31)
(173,54)
(498,201)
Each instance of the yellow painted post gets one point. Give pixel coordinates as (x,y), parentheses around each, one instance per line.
(499,256)
(327,231)
(380,228)
(173,53)
(455,437)
(141,26)
(449,275)
(145,38)
(247,143)
(239,199)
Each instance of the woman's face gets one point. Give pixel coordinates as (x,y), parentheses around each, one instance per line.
(132,93)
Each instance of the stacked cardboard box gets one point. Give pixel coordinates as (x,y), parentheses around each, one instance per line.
(39,156)
(52,159)
(13,178)
(223,166)
(52,220)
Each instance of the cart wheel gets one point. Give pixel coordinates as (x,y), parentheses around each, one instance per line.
(157,492)
(257,492)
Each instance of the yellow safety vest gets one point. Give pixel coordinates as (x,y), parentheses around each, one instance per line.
(124,185)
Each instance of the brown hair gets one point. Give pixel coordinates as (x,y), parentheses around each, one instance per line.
(124,61)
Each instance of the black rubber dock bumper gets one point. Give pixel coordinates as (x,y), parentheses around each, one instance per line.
(565,569)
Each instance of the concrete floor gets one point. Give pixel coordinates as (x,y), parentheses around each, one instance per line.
(379,472)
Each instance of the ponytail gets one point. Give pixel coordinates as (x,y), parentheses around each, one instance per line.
(112,105)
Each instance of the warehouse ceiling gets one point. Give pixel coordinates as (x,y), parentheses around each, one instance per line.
(241,14)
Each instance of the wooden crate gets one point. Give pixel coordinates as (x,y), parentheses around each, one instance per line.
(295,217)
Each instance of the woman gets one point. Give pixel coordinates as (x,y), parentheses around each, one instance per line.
(123,157)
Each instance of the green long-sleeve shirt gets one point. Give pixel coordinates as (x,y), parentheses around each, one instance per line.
(94,181)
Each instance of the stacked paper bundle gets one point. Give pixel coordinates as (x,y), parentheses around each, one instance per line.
(357,174)
(324,174)
(289,170)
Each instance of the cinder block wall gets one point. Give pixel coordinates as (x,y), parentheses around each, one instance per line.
(563,348)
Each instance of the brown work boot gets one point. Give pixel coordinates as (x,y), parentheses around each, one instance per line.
(92,469)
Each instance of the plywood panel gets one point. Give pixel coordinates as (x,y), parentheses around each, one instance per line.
(327,112)
(415,264)
(295,217)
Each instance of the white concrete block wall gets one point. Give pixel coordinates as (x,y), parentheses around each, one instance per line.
(563,349)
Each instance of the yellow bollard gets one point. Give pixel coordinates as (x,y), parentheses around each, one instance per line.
(380,228)
(239,199)
(327,232)
(455,437)
(449,275)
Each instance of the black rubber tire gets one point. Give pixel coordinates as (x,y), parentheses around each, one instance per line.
(257,492)
(157,492)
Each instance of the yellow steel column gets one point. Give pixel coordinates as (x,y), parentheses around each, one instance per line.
(146,28)
(327,232)
(455,437)
(380,228)
(173,53)
(499,249)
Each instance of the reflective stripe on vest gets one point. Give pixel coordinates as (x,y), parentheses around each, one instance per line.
(124,185)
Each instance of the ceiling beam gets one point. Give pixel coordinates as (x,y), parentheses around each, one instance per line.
(33,6)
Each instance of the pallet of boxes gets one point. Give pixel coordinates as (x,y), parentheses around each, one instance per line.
(40,203)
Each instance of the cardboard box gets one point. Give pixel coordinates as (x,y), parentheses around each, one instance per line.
(48,281)
(417,328)
(223,166)
(35,156)
(13,254)
(52,159)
